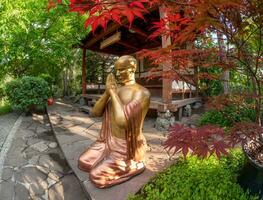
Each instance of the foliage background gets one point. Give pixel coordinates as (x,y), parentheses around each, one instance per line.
(35,41)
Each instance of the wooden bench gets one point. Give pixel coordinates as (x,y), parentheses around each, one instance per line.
(156,103)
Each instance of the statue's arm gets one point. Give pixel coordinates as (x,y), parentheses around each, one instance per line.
(99,107)
(118,109)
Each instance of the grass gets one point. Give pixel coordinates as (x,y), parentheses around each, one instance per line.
(5,107)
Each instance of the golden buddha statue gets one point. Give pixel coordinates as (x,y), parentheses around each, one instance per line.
(118,153)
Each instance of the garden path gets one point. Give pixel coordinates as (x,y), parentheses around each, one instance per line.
(34,167)
(7,122)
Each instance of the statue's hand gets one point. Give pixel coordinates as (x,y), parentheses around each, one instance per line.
(111,84)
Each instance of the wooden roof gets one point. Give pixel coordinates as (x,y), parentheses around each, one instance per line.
(133,39)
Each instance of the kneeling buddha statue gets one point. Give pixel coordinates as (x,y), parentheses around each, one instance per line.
(118,153)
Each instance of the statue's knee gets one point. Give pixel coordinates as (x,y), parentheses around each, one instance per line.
(84,163)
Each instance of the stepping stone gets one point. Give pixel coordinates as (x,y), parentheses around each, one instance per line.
(40,146)
(53,145)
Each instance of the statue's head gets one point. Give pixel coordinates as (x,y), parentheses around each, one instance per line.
(125,68)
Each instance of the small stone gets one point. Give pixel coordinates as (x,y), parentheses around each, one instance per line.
(24,155)
(187,111)
(51,182)
(30,175)
(40,146)
(56,192)
(197,105)
(20,192)
(53,145)
(43,169)
(54,162)
(45,196)
(33,160)
(7,173)
(162,124)
(54,176)
(41,130)
(15,158)
(70,184)
(28,135)
(38,189)
(32,141)
(16,168)
(7,190)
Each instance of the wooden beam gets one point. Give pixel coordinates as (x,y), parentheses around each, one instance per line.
(98,37)
(84,71)
(115,38)
(127,45)
(111,28)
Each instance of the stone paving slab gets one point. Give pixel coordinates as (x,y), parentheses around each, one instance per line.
(6,123)
(75,131)
(35,168)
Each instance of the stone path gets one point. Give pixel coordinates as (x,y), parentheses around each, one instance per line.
(75,131)
(35,168)
(6,123)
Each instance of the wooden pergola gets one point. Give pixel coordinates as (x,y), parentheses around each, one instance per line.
(127,40)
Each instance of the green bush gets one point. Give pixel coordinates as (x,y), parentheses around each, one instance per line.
(228,116)
(198,179)
(27,93)
(50,80)
(2,92)
(5,108)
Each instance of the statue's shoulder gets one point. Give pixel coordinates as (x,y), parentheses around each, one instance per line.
(146,93)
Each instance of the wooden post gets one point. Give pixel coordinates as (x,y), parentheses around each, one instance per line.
(196,82)
(166,67)
(84,72)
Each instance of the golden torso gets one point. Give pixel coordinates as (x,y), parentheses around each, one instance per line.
(127,94)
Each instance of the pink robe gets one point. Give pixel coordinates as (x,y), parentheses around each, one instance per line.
(111,160)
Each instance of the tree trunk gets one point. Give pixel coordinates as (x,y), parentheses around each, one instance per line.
(222,58)
(257,94)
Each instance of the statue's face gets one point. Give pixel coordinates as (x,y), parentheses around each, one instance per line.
(125,68)
(124,75)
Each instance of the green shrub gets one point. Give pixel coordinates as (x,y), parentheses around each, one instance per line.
(5,108)
(50,80)
(228,116)
(27,93)
(198,179)
(2,93)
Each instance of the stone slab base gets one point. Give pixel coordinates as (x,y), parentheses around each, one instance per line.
(75,131)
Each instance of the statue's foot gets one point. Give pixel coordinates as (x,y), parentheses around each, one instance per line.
(111,172)
(92,156)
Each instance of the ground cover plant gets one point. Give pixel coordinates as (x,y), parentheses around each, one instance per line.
(228,116)
(198,179)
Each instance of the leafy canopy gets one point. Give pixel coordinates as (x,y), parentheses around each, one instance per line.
(36,41)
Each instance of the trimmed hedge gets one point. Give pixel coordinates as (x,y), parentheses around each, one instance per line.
(27,93)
